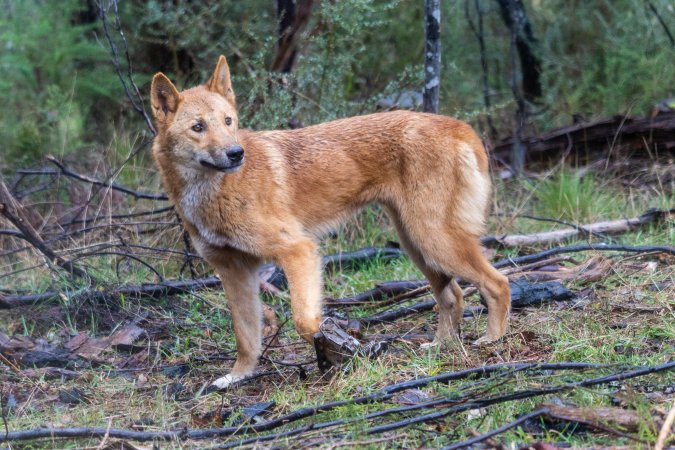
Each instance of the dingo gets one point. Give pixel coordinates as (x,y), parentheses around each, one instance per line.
(246,197)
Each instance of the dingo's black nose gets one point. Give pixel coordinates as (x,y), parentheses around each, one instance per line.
(235,153)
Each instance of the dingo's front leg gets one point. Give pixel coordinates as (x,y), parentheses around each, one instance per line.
(302,266)
(239,274)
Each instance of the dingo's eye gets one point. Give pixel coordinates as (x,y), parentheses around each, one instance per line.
(198,127)
(228,121)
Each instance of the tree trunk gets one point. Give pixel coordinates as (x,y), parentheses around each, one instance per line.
(432,58)
(293,16)
(514,16)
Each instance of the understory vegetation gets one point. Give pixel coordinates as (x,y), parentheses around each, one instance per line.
(63,98)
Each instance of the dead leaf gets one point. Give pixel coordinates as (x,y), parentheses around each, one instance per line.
(124,338)
(76,342)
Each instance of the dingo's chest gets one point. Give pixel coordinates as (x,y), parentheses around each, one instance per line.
(199,206)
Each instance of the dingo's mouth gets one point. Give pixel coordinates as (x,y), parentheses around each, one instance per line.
(231,167)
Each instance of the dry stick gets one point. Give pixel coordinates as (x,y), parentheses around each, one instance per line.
(487,240)
(85,220)
(147,290)
(406,290)
(597,228)
(15,213)
(333,423)
(122,216)
(544,411)
(105,184)
(381,394)
(519,395)
(669,249)
(665,429)
(123,255)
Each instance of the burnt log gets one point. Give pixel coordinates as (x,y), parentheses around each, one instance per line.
(597,137)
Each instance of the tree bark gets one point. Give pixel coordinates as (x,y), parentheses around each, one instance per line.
(293,16)
(515,17)
(432,58)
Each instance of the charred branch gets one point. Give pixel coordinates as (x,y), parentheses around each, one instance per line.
(460,405)
(632,133)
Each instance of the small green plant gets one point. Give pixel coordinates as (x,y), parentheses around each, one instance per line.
(573,196)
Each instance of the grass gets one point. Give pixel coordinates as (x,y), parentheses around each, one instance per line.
(623,319)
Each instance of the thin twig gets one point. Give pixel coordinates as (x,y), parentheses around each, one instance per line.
(136,98)
(106,183)
(16,214)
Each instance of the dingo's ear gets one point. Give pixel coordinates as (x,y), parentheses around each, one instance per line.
(164,96)
(220,80)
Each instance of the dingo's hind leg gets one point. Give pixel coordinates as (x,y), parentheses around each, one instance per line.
(447,292)
(449,251)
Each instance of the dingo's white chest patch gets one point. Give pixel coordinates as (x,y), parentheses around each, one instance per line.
(195,200)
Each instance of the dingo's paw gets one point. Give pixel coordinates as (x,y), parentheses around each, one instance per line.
(224,382)
(485,340)
(431,344)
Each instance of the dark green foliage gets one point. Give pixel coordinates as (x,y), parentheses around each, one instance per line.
(53,77)
(59,89)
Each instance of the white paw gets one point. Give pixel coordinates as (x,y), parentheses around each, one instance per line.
(227,380)
(484,340)
(431,344)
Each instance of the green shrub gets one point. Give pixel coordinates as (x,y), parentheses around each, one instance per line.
(52,74)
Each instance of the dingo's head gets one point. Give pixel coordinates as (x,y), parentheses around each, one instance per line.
(198,127)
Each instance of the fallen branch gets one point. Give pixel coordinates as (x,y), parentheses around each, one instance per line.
(344,260)
(523,294)
(605,227)
(520,395)
(632,132)
(484,437)
(149,290)
(382,394)
(381,291)
(352,260)
(595,417)
(525,259)
(473,404)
